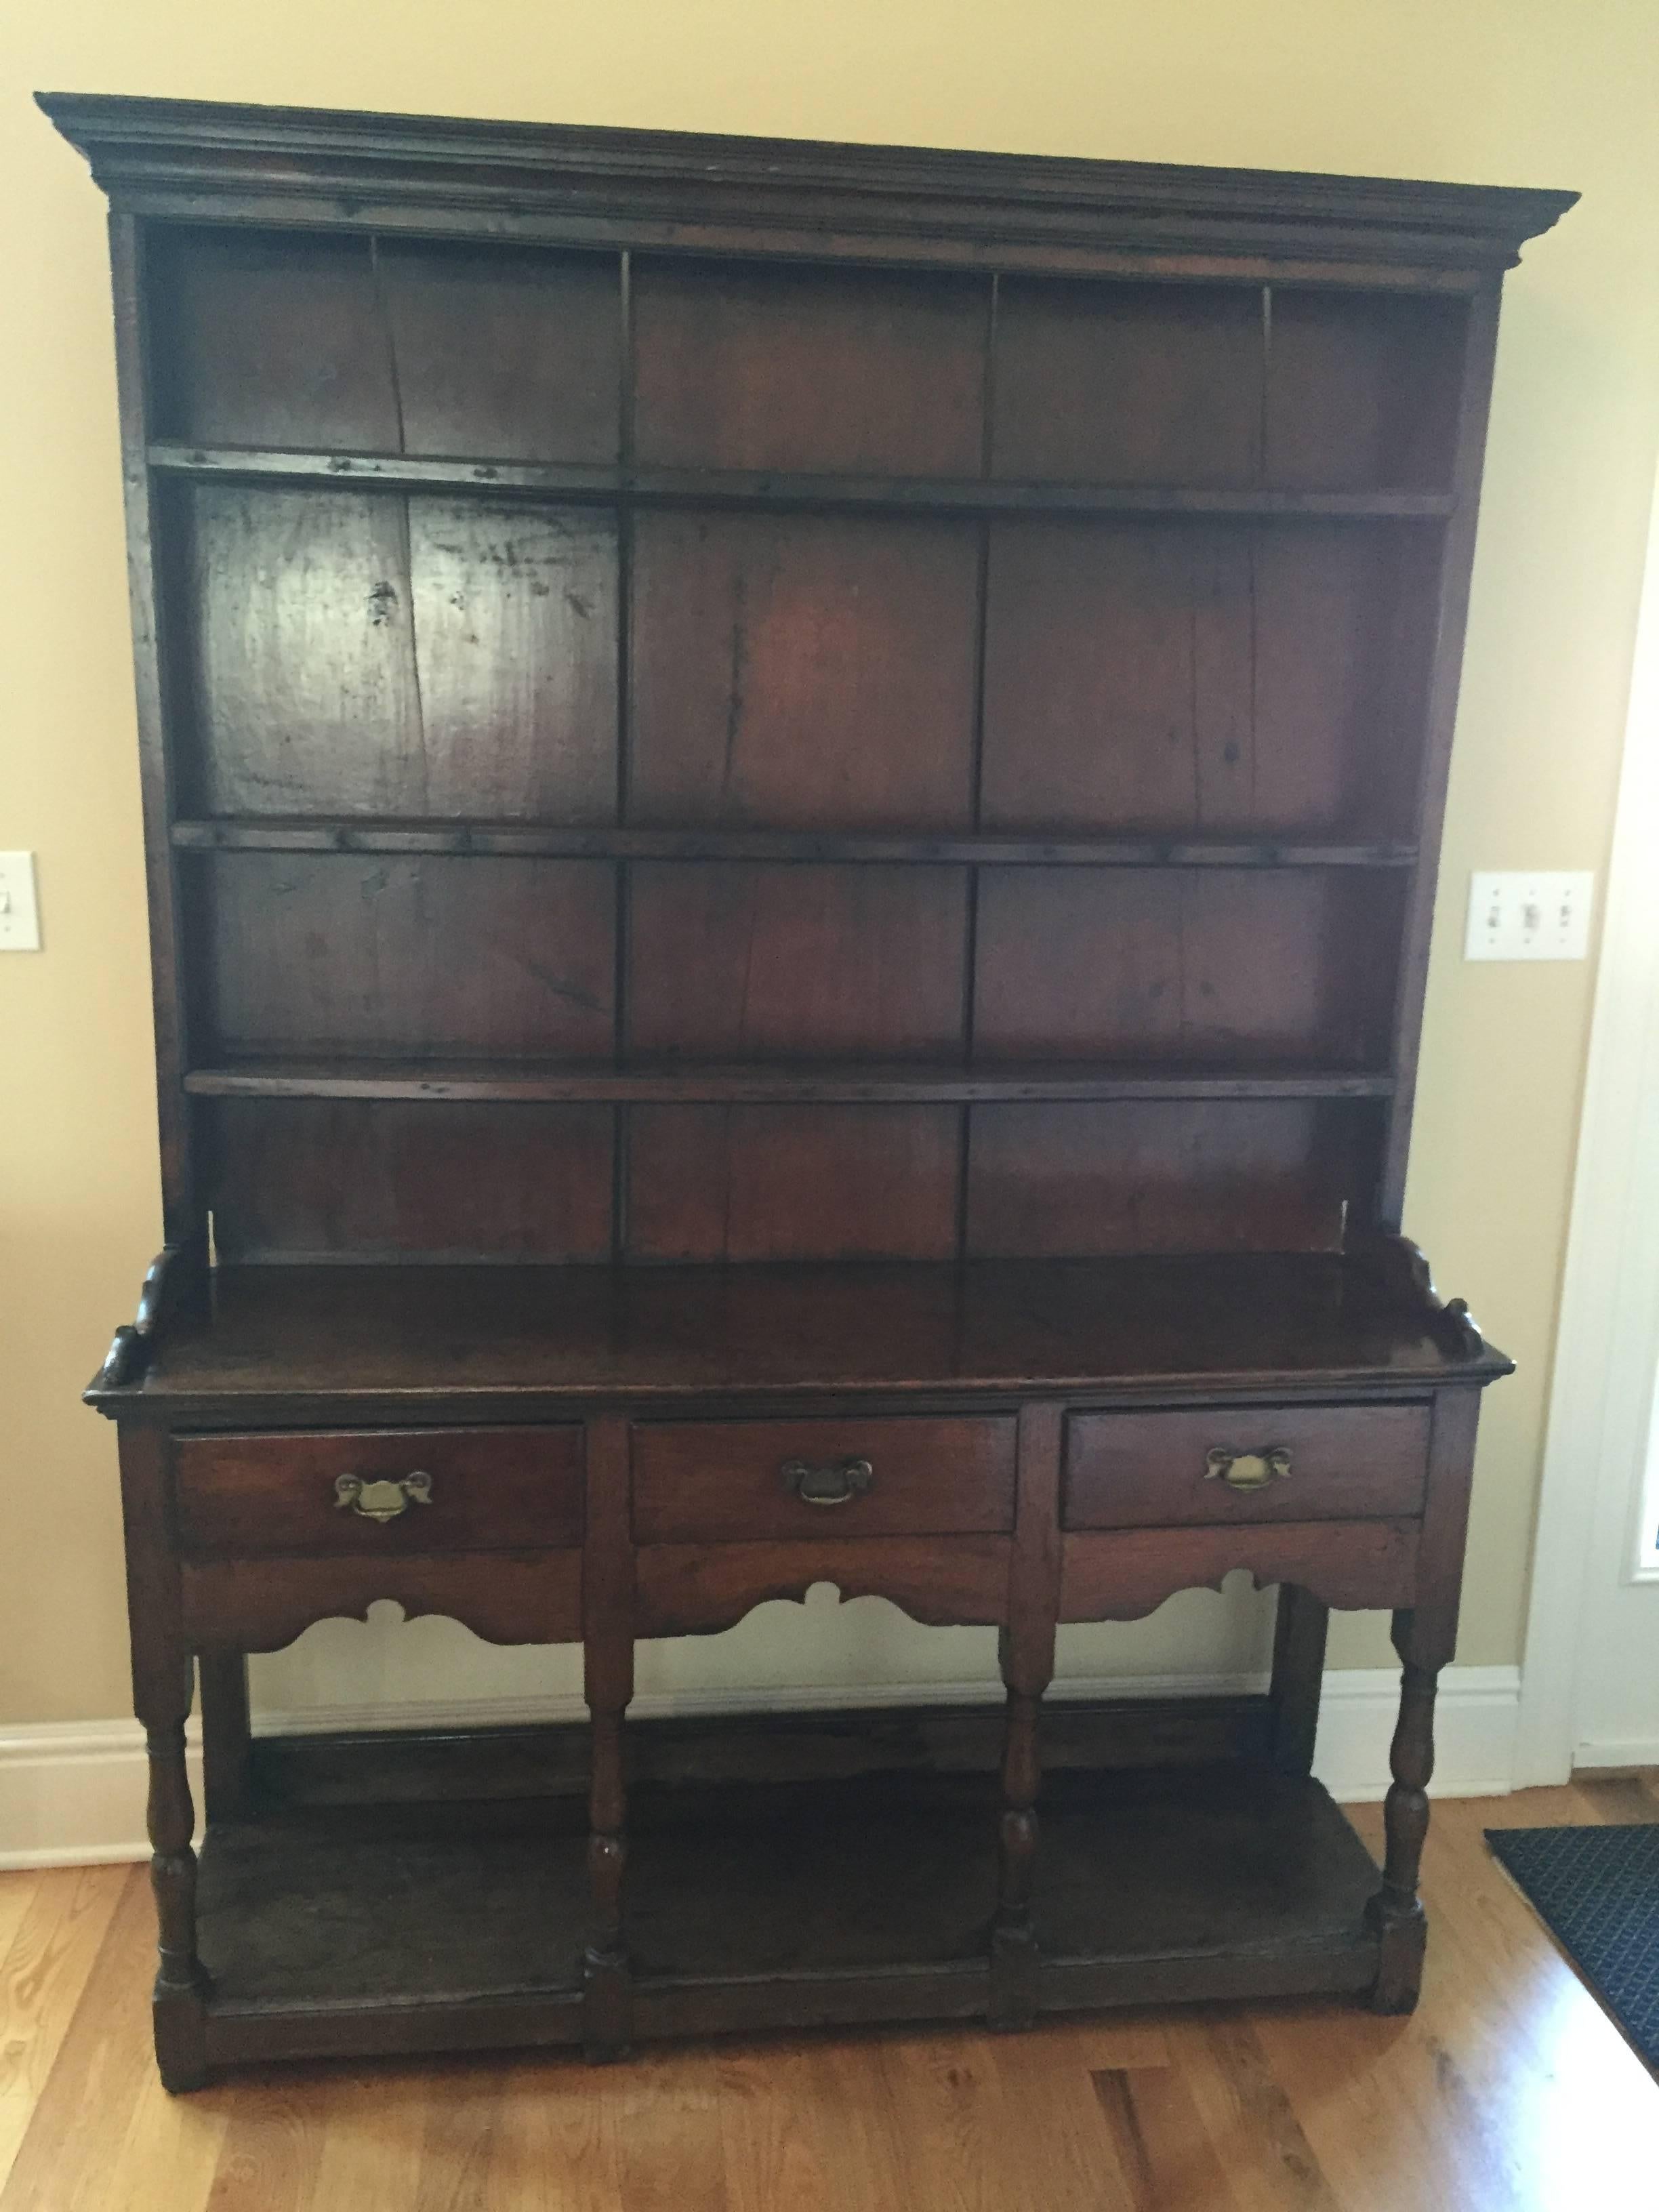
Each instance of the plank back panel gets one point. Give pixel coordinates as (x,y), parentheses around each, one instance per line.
(803,673)
(1362,389)
(1181,676)
(799,960)
(1238,966)
(386,346)
(1128,383)
(1047,1182)
(378,1179)
(453,956)
(368,653)
(793,1182)
(793,366)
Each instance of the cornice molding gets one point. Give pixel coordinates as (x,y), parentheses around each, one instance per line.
(593,185)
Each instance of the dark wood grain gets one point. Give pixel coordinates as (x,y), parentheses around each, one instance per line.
(1129,383)
(724,1481)
(1150,1470)
(610,1624)
(364,653)
(413,1178)
(1362,389)
(690,1589)
(730,963)
(253,834)
(803,492)
(398,346)
(791,798)
(790,1183)
(1046,1180)
(163,1679)
(1174,677)
(1238,968)
(347,1346)
(263,1604)
(800,674)
(488,1490)
(1129,1573)
(747,366)
(313,952)
(1025,1653)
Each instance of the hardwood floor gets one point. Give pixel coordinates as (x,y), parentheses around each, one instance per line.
(1511,2091)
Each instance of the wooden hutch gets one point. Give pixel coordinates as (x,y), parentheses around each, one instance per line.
(792,795)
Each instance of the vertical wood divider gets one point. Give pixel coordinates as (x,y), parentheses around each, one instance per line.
(226,1736)
(1456,559)
(608,1685)
(1299,1631)
(620,1128)
(181,1213)
(1026,1650)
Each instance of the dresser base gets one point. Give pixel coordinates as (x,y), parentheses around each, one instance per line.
(345,1929)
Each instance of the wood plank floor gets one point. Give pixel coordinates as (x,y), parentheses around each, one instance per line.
(1510,2091)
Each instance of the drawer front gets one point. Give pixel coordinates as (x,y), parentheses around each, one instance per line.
(352,1493)
(1245,1463)
(725,1481)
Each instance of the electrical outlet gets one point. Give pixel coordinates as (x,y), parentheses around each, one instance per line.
(20,910)
(1536,913)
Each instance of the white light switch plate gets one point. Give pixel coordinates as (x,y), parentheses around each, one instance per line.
(20,910)
(1530,913)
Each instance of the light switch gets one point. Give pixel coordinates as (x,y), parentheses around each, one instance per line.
(1536,913)
(20,910)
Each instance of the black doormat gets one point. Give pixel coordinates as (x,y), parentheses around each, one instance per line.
(1597,1891)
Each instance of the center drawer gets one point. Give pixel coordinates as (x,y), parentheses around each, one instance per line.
(354,1491)
(1245,1463)
(724,1481)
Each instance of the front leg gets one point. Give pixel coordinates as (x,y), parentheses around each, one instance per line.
(1396,1910)
(162,1685)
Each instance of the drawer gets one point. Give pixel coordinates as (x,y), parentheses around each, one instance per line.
(1301,1463)
(724,1481)
(351,1492)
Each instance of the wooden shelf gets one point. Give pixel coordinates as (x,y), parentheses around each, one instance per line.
(536,840)
(525,1082)
(750,488)
(293,1343)
(1212,1882)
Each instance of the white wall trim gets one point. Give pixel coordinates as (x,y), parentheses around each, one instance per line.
(1602,1387)
(72,1794)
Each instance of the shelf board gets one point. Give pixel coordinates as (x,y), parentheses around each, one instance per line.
(842,1083)
(773,1905)
(255,834)
(752,488)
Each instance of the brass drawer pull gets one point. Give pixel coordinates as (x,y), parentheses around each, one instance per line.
(1247,1471)
(382,1500)
(842,1480)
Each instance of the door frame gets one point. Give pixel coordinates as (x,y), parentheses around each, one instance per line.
(1602,1399)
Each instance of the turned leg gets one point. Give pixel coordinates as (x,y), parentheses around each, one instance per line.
(608,1655)
(161,1698)
(1026,1650)
(1014,1958)
(227,1737)
(1396,1910)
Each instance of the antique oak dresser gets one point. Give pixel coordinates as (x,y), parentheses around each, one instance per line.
(792,795)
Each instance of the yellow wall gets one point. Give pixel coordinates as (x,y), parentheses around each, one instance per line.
(1524,92)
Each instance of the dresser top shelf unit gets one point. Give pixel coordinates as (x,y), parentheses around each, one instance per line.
(722,702)
(792,796)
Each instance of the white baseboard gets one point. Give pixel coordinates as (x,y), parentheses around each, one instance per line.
(72,1794)
(1591,1755)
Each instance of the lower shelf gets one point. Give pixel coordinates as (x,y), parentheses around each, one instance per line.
(401,1928)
